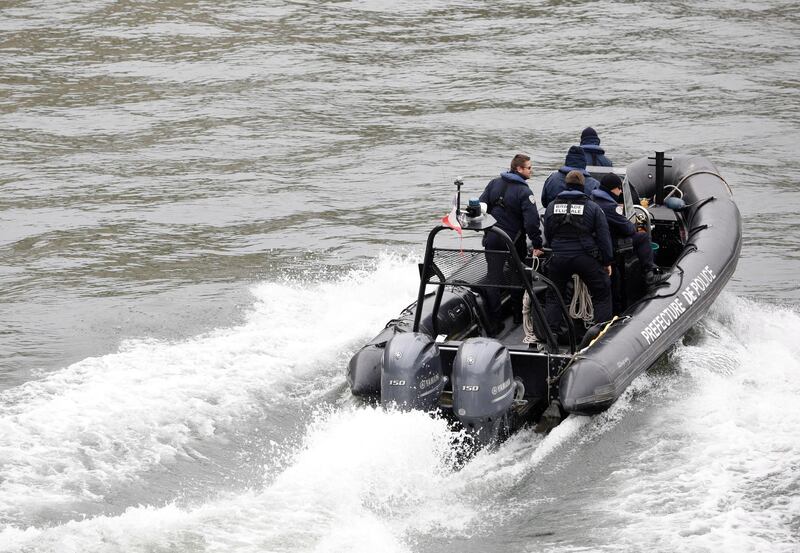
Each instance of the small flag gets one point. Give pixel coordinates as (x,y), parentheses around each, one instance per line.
(451,219)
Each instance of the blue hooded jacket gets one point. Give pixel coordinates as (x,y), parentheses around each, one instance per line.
(595,220)
(594,154)
(555,183)
(619,226)
(520,211)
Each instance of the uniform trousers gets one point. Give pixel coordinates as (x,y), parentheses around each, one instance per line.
(643,249)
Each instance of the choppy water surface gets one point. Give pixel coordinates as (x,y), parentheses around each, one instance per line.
(207,207)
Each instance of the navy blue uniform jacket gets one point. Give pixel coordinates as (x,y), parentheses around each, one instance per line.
(595,155)
(595,220)
(556,183)
(619,226)
(520,210)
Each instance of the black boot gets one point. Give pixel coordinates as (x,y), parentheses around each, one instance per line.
(655,276)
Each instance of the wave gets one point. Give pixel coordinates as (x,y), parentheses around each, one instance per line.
(76,434)
(718,470)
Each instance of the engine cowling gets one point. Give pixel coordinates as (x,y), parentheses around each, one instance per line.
(411,372)
(483,383)
(364,369)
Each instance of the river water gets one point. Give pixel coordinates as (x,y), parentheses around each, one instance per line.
(206,207)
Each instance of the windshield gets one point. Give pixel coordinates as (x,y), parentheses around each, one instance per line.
(627,196)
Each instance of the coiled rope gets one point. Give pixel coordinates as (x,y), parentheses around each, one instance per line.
(527,325)
(579,308)
(581,305)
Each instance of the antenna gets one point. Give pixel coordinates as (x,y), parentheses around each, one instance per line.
(660,165)
(459,182)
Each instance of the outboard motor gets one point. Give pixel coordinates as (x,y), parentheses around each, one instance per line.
(483,388)
(457,316)
(411,376)
(364,369)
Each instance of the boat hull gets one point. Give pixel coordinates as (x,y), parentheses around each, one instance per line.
(600,373)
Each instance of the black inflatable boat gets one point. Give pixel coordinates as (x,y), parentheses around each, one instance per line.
(438,355)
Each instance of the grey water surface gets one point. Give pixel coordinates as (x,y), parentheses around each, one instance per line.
(205,207)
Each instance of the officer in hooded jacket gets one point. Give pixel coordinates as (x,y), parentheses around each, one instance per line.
(577,232)
(595,155)
(511,202)
(606,197)
(574,161)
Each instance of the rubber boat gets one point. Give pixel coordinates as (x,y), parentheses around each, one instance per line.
(438,355)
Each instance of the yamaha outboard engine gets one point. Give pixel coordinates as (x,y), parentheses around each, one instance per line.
(457,315)
(364,369)
(411,376)
(483,389)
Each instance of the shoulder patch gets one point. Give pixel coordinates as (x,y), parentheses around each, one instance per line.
(532,199)
(620,210)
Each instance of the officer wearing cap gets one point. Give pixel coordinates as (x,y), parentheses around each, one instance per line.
(595,155)
(577,232)
(575,160)
(510,201)
(606,197)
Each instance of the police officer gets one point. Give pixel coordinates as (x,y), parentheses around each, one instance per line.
(574,161)
(576,230)
(510,201)
(606,197)
(595,155)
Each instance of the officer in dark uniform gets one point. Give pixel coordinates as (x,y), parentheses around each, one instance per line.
(577,231)
(606,197)
(595,155)
(510,201)
(575,161)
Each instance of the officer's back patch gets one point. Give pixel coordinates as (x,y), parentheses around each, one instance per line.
(561,209)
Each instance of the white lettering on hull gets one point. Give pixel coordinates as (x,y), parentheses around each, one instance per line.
(677,307)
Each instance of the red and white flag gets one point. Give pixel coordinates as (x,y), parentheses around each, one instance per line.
(451,219)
